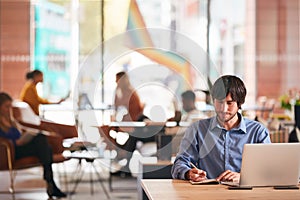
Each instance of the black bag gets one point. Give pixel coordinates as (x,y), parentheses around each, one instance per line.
(293,136)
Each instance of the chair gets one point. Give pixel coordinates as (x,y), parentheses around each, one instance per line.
(111,143)
(146,149)
(25,116)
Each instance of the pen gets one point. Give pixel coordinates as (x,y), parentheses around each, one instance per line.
(194,166)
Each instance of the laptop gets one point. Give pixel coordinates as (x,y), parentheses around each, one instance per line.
(84,102)
(276,164)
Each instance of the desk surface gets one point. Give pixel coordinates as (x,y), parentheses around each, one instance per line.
(160,189)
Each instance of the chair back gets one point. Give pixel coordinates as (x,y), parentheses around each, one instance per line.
(65,131)
(104,133)
(23,112)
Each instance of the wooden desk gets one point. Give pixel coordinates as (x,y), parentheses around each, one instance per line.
(160,189)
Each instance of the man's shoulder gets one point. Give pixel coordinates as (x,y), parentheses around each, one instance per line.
(252,123)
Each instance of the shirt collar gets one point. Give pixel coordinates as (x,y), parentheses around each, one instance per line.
(241,128)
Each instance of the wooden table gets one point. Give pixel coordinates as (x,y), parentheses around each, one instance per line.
(160,189)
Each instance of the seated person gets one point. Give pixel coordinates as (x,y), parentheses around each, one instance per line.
(29,93)
(128,107)
(36,146)
(215,144)
(190,112)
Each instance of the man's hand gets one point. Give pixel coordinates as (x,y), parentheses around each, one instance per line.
(195,174)
(229,176)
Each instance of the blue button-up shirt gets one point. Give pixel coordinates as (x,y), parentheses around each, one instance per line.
(214,149)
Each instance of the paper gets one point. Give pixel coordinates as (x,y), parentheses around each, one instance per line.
(214,181)
(206,181)
(25,138)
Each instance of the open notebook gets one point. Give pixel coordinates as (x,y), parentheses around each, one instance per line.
(276,164)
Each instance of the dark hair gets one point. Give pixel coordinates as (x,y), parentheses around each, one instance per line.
(120,74)
(4,97)
(232,85)
(32,74)
(189,94)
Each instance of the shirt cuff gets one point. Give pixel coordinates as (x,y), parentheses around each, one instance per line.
(182,176)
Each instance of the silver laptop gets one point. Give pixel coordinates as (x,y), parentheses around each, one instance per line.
(274,164)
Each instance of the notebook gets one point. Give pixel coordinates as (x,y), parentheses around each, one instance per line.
(276,164)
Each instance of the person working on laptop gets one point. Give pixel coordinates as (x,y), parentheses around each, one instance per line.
(214,145)
(29,92)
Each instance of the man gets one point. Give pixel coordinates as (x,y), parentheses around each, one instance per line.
(215,144)
(191,114)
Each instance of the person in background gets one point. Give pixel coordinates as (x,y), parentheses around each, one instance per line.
(29,92)
(190,112)
(128,107)
(294,135)
(215,145)
(126,98)
(36,146)
(188,104)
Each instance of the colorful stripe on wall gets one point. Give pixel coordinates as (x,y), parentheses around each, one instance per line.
(140,41)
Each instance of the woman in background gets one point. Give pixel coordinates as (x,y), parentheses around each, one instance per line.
(36,146)
(29,92)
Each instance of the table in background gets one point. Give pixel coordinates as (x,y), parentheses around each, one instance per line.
(165,134)
(160,189)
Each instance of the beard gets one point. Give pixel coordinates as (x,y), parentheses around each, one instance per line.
(225,116)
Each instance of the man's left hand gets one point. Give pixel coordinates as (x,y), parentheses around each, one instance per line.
(229,176)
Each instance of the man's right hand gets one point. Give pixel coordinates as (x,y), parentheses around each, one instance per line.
(196,175)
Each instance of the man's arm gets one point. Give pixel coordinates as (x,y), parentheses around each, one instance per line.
(188,152)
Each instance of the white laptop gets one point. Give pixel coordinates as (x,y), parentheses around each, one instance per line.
(275,164)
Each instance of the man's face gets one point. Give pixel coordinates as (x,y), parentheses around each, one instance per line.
(187,104)
(226,108)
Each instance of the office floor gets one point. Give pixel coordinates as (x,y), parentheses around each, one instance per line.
(32,186)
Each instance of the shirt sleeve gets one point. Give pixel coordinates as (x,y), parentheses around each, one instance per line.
(264,135)
(188,152)
(13,134)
